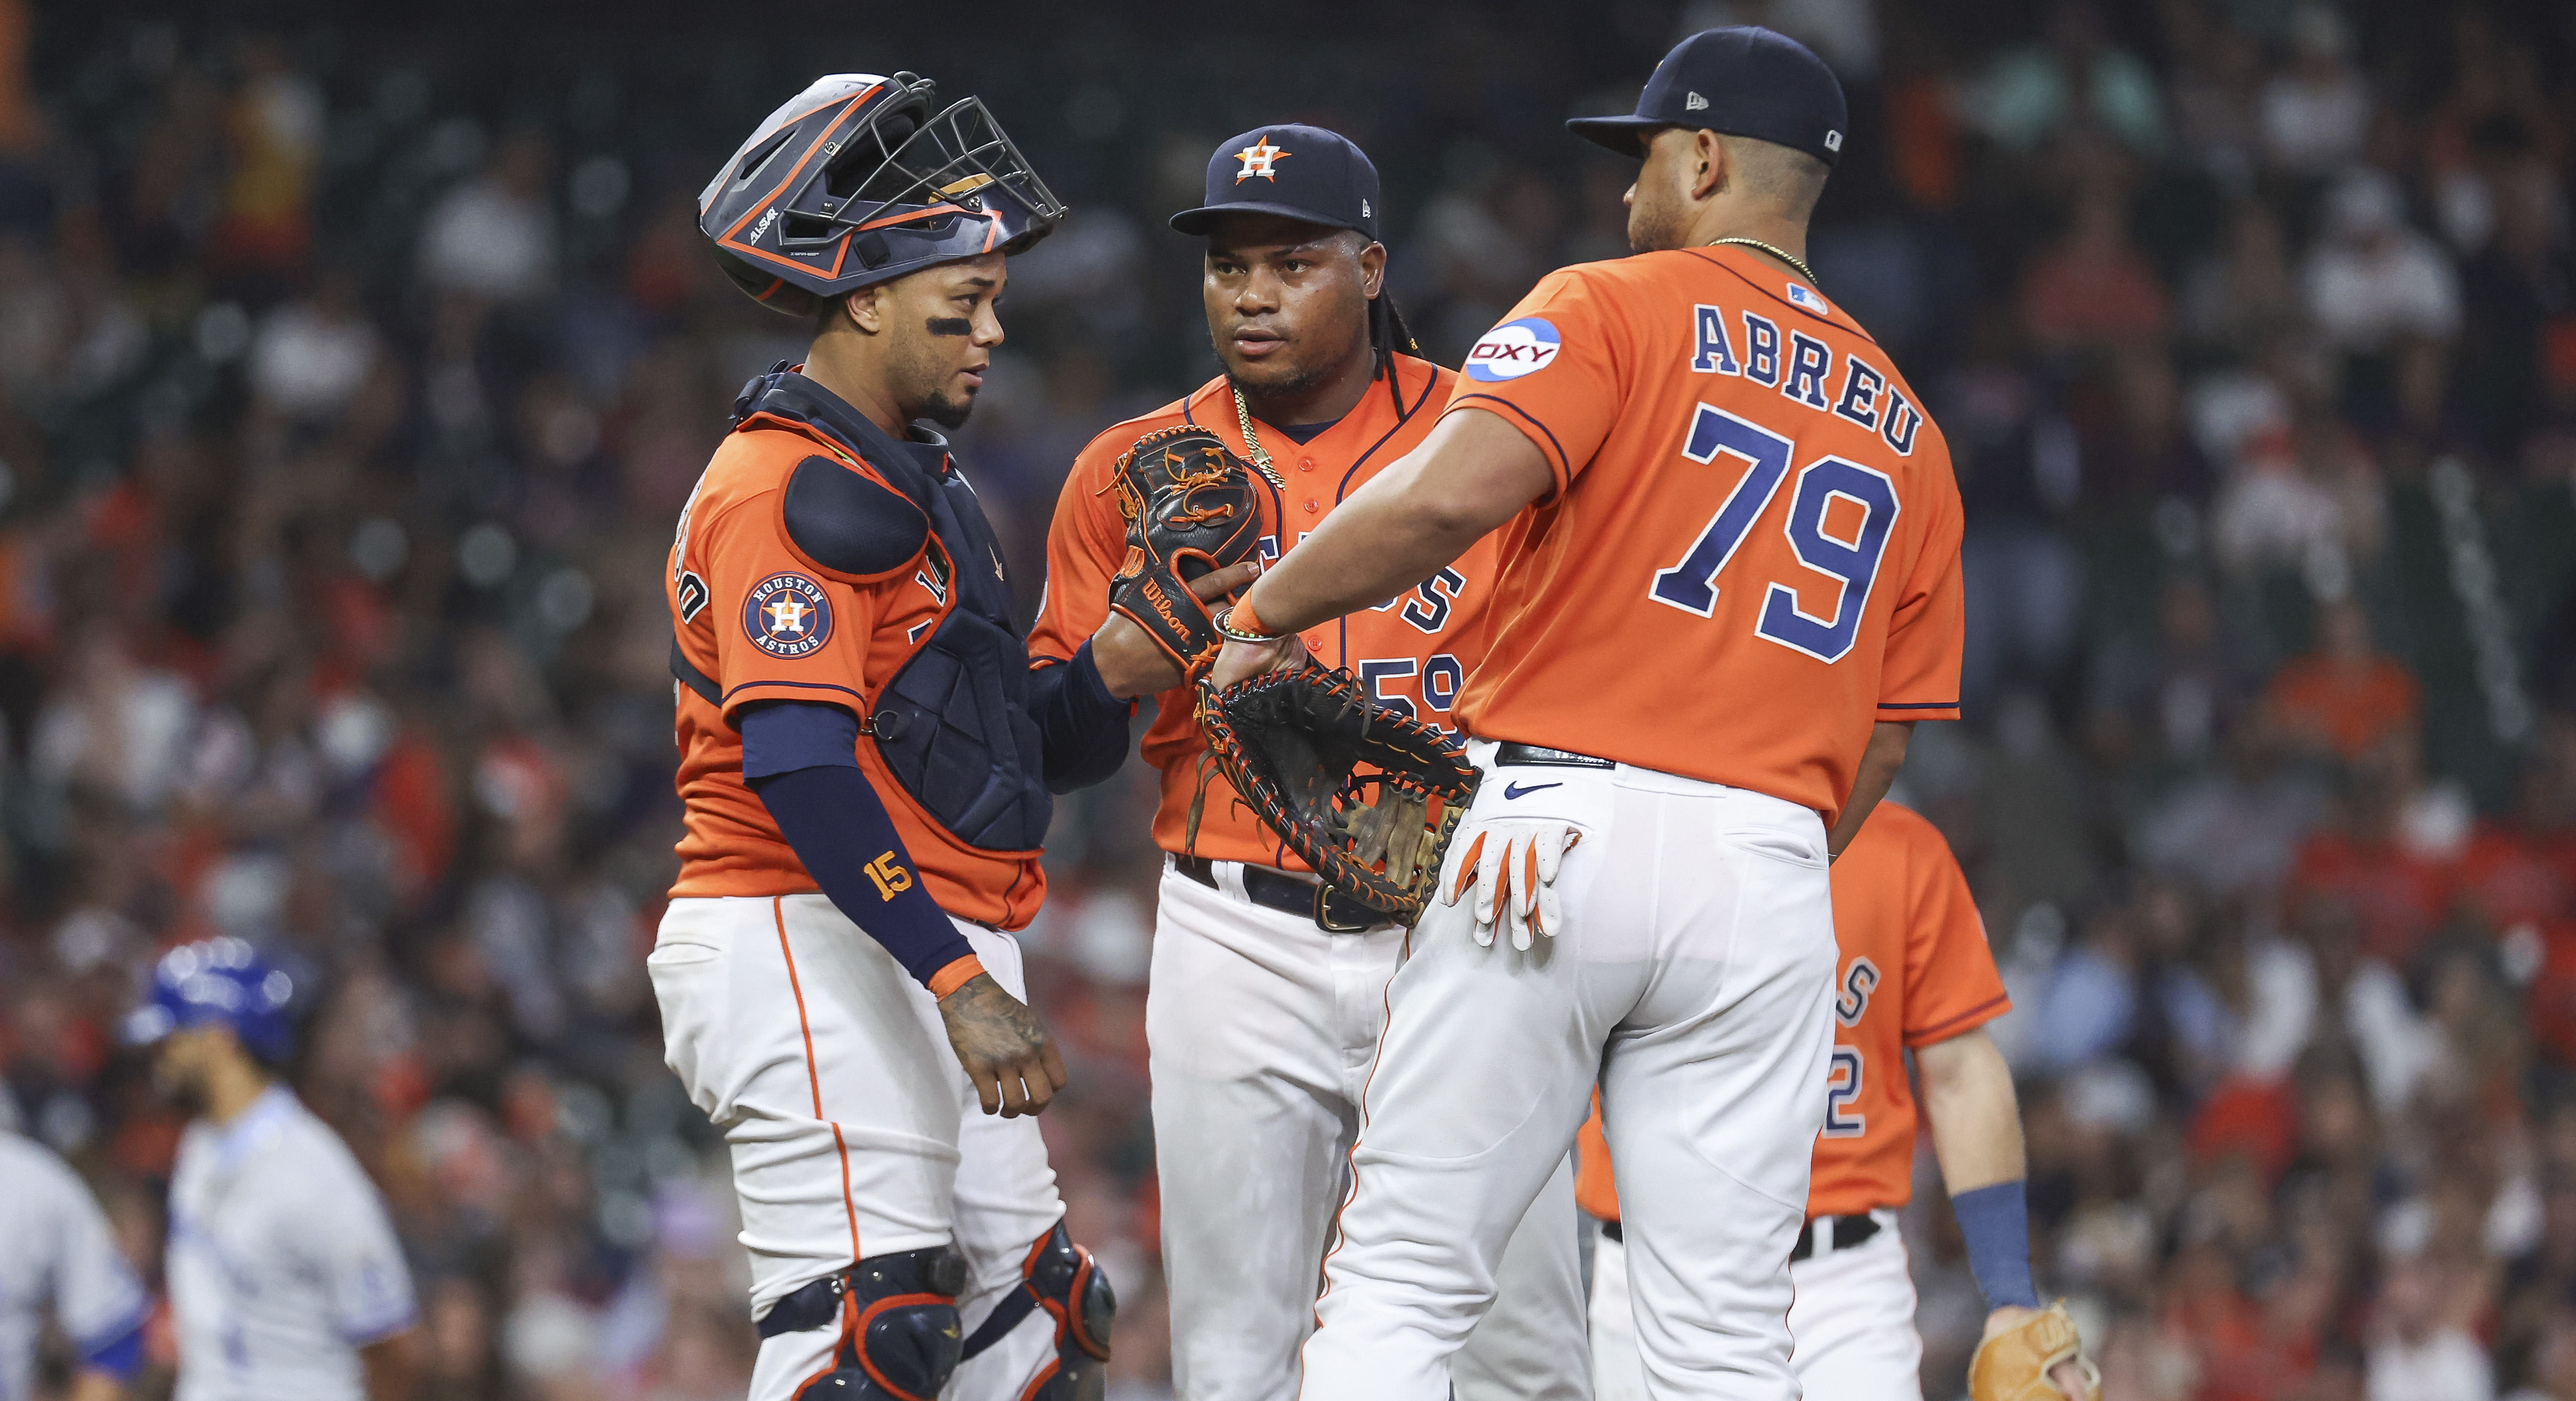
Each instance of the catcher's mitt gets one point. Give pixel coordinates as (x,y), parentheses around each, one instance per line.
(2013,1365)
(1192,508)
(1367,796)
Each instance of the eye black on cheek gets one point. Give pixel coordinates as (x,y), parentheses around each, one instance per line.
(950,326)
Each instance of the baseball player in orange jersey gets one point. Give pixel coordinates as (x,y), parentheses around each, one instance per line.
(1265,1006)
(1914,975)
(1729,586)
(866,758)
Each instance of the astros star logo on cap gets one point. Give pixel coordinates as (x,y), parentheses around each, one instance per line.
(1257,159)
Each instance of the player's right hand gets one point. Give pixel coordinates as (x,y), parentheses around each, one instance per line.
(1004,1047)
(1129,661)
(1512,865)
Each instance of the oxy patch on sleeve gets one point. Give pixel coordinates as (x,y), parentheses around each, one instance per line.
(850,525)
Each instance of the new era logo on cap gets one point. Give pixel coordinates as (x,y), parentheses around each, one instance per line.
(1695,103)
(1833,141)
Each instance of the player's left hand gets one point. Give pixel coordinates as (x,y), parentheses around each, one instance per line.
(1003,1046)
(1132,664)
(1241,661)
(2073,1376)
(1512,865)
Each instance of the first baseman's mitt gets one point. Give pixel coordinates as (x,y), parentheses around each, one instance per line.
(1192,508)
(2013,1365)
(1367,796)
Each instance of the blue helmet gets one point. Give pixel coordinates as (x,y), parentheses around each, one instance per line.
(218,980)
(857,182)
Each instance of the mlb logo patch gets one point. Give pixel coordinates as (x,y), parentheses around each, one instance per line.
(787,616)
(1806,298)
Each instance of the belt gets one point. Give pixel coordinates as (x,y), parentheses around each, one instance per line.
(1332,911)
(1843,1233)
(1531,756)
(1840,1233)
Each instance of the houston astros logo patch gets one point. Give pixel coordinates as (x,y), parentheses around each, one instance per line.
(786,615)
(1513,349)
(1258,158)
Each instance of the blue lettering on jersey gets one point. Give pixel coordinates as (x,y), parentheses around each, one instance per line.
(1861,384)
(1761,350)
(1808,362)
(1708,326)
(1898,424)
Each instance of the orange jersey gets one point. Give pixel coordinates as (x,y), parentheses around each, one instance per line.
(759,620)
(1914,970)
(1413,653)
(1752,549)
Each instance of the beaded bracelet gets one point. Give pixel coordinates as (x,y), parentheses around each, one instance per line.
(1224,621)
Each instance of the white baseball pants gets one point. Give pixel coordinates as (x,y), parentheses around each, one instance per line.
(1853,1323)
(854,1131)
(1262,1029)
(1693,978)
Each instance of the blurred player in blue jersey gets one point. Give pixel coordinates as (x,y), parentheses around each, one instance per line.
(285,1279)
(59,1257)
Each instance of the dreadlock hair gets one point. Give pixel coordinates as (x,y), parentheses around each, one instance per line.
(1388,334)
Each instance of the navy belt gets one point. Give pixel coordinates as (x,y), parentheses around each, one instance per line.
(1848,1232)
(1332,911)
(1532,756)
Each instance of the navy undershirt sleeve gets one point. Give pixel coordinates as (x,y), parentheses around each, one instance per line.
(784,736)
(839,828)
(1082,728)
(1995,1221)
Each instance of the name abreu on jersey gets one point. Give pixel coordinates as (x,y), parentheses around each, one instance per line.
(1866,394)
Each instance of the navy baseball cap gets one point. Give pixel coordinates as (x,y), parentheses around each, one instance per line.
(1744,81)
(1301,172)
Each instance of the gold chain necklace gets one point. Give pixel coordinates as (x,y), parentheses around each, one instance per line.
(1252,441)
(1803,270)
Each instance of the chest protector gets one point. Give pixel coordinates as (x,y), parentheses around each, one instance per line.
(952,723)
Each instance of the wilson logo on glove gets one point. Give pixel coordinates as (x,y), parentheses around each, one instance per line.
(1192,508)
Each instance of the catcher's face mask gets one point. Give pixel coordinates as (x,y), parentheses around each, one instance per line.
(857,181)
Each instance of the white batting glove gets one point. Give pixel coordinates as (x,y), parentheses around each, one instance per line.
(1512,867)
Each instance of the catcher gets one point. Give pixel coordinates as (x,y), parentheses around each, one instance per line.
(1914,975)
(1268,987)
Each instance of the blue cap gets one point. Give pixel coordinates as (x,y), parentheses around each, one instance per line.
(1293,170)
(218,980)
(1744,81)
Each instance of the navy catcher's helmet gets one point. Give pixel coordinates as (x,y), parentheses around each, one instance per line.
(855,182)
(218,980)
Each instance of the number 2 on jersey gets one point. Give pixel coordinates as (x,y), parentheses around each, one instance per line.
(1850,556)
(1842,1086)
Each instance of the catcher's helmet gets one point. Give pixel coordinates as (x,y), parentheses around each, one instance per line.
(856,182)
(218,980)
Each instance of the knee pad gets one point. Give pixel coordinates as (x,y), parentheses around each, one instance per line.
(900,1332)
(1060,1279)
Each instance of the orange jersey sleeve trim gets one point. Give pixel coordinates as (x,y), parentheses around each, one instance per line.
(956,974)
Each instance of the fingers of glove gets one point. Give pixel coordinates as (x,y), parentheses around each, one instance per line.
(1549,915)
(1491,875)
(1552,847)
(1466,872)
(1524,872)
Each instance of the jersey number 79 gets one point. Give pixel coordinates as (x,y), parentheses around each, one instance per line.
(1846,551)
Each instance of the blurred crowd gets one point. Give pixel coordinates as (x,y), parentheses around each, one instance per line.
(352,378)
